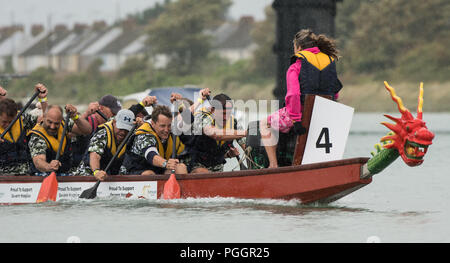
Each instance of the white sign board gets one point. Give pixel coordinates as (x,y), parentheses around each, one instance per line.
(328,131)
(16,193)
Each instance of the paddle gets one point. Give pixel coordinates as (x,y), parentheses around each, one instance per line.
(49,186)
(102,115)
(91,193)
(241,164)
(171,187)
(20,114)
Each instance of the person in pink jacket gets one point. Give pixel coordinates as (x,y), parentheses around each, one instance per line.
(312,71)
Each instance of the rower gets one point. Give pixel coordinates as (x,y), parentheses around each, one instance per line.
(104,145)
(214,132)
(44,140)
(96,114)
(151,150)
(184,117)
(101,112)
(14,154)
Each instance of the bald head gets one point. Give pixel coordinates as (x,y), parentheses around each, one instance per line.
(52,119)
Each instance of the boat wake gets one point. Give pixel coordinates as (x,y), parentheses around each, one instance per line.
(211,203)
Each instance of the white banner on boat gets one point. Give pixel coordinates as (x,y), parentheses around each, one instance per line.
(17,193)
(328,131)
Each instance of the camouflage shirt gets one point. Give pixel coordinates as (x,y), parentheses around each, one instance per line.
(29,121)
(97,144)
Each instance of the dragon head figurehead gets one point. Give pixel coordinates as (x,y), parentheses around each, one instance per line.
(410,136)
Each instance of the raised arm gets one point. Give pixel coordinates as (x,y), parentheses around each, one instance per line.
(223,134)
(82,126)
(42,97)
(3,93)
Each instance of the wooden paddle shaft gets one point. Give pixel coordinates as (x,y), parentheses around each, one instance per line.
(66,124)
(102,115)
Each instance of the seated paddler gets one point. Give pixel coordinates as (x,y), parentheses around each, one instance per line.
(110,105)
(104,144)
(152,147)
(14,154)
(214,130)
(45,137)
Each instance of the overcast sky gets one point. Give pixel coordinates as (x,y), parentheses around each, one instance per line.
(28,12)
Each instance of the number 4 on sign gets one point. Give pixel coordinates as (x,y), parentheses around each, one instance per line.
(327,132)
(324,135)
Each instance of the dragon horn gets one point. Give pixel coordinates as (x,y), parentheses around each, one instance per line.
(397,120)
(403,110)
(391,126)
(420,104)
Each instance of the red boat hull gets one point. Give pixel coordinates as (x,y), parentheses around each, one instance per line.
(308,183)
(319,182)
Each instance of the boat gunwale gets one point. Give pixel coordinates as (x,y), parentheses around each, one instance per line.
(228,174)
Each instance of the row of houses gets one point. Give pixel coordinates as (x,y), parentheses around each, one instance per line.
(73,50)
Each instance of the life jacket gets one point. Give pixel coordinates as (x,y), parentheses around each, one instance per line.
(111,149)
(52,147)
(134,162)
(317,74)
(208,151)
(14,149)
(81,143)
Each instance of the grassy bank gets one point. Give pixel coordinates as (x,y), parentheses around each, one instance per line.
(373,97)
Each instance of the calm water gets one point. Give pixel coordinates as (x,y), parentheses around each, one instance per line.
(402,204)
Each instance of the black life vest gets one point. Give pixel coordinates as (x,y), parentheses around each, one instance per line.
(14,150)
(317,75)
(52,148)
(80,146)
(137,163)
(208,151)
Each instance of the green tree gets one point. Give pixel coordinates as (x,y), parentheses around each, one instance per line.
(179,32)
(264,61)
(401,38)
(151,13)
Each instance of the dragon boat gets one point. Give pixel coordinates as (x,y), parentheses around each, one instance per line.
(320,182)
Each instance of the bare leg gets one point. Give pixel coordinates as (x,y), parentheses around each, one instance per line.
(269,142)
(148,172)
(200,171)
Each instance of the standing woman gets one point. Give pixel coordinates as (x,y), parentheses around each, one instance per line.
(312,71)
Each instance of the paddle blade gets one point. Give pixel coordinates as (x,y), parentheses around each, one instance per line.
(172,188)
(49,189)
(90,193)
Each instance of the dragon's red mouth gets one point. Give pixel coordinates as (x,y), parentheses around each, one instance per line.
(415,151)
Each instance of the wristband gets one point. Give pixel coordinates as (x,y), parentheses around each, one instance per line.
(42,100)
(95,171)
(76,117)
(142,104)
(200,100)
